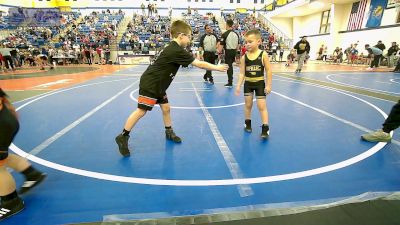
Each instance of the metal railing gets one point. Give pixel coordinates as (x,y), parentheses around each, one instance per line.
(283,38)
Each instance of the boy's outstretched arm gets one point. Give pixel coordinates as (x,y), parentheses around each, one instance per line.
(241,75)
(209,66)
(268,73)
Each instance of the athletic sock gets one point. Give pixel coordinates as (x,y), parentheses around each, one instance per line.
(9,197)
(125,132)
(31,173)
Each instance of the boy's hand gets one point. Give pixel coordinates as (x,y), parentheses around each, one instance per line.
(237,91)
(268,89)
(222,67)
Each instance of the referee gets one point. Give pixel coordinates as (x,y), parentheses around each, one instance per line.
(208,44)
(230,42)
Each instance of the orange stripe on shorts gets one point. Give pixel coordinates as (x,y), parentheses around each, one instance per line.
(3,162)
(147,101)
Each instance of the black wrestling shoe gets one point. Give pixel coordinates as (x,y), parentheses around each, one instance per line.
(170,135)
(31,183)
(122,142)
(228,85)
(264,131)
(10,208)
(247,126)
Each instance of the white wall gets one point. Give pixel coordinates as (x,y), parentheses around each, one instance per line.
(306,25)
(389,16)
(309,25)
(284,24)
(386,35)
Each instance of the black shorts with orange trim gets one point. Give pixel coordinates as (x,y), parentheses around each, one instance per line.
(147,100)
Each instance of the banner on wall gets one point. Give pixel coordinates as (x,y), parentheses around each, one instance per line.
(357,15)
(281,2)
(376,9)
(269,7)
(34,17)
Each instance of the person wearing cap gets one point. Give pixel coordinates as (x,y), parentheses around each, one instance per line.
(11,203)
(392,51)
(303,48)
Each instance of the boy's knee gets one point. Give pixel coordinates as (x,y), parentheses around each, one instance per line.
(141,112)
(166,109)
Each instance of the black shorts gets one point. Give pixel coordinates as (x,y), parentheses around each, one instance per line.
(147,100)
(257,87)
(8,132)
(43,57)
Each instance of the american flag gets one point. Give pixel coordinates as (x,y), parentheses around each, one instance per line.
(357,15)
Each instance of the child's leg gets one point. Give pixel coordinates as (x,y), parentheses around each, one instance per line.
(32,176)
(10,202)
(169,132)
(17,163)
(122,139)
(134,118)
(262,107)
(166,111)
(7,181)
(248,100)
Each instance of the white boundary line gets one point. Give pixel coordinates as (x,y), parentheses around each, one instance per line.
(233,166)
(60,133)
(255,180)
(393,80)
(364,88)
(318,85)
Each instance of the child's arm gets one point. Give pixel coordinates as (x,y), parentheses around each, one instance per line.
(241,75)
(209,66)
(268,74)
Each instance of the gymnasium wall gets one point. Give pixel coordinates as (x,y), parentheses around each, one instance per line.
(284,24)
(309,25)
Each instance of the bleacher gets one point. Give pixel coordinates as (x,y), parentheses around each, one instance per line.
(146,33)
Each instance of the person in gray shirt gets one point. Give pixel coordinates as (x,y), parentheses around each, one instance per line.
(5,52)
(230,43)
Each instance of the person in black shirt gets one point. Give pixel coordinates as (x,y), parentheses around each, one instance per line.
(303,48)
(157,78)
(230,43)
(382,47)
(254,64)
(11,203)
(208,46)
(392,51)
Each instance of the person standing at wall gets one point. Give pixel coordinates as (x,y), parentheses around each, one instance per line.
(382,47)
(230,43)
(392,51)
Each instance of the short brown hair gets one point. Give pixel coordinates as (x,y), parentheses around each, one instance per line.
(178,27)
(256,33)
(229,22)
